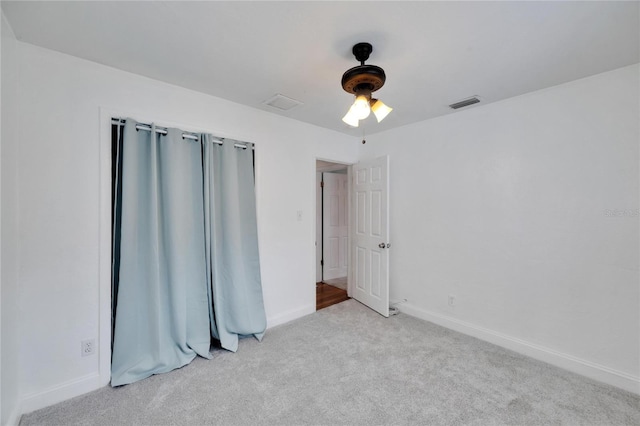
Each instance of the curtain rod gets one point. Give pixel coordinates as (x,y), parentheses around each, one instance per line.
(163,131)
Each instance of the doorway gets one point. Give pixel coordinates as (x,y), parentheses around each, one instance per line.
(332,233)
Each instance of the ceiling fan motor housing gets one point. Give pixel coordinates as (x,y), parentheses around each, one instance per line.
(363,78)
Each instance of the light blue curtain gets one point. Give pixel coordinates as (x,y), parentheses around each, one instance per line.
(188,251)
(232,242)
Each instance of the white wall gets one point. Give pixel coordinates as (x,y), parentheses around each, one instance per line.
(10,331)
(507,206)
(62,120)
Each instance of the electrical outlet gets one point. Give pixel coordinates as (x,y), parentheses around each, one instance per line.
(88,347)
(452,300)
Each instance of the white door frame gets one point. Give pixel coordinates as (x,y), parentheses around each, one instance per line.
(338,165)
(318,213)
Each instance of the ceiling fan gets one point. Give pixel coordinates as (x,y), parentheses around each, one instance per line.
(362,81)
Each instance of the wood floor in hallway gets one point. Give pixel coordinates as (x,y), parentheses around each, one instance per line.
(327,295)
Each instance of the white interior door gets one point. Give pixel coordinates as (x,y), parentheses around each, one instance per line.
(371,234)
(318,227)
(335,226)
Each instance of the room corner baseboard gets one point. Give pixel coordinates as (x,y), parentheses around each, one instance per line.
(583,367)
(290,315)
(60,393)
(15,416)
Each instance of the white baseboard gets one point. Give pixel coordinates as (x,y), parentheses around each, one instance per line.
(60,393)
(290,315)
(583,367)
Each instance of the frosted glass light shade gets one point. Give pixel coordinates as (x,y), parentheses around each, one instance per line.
(380,110)
(361,108)
(350,118)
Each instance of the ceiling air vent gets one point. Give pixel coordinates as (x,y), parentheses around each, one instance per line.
(466,102)
(282,102)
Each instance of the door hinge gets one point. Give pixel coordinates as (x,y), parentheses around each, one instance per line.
(321,262)
(322,184)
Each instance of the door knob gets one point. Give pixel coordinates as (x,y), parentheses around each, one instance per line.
(382,245)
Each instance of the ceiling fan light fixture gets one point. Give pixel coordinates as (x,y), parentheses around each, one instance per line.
(380,110)
(362,80)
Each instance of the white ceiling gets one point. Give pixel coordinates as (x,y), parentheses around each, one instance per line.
(434,53)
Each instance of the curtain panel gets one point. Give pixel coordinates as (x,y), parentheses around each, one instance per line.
(231,235)
(185,263)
